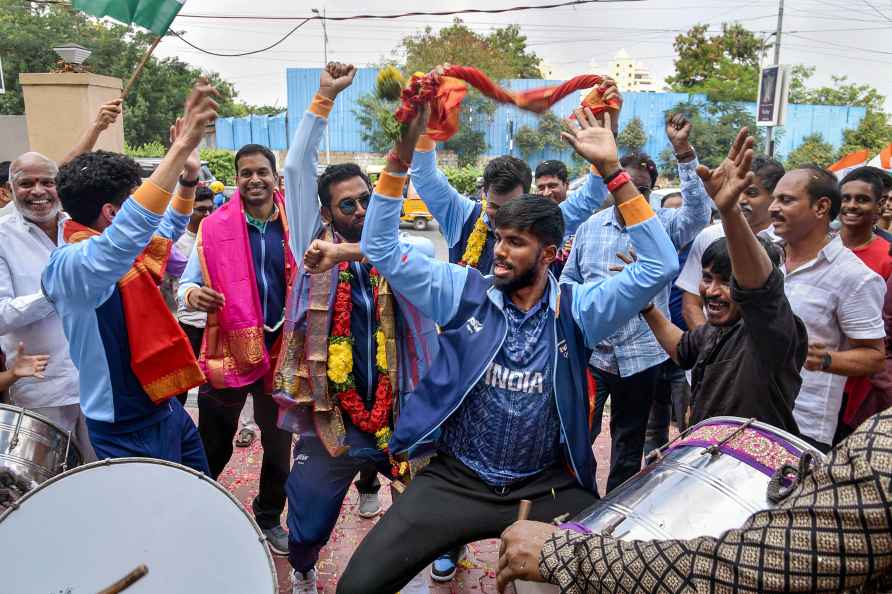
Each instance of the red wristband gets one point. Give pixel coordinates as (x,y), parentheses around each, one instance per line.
(618,181)
(394,156)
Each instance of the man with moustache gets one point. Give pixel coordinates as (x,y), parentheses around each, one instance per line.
(746,358)
(838,297)
(238,273)
(754,202)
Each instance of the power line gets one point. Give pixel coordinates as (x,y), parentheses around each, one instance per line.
(355,17)
(240,54)
(877,10)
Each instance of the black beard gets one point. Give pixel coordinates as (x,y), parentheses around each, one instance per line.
(525,279)
(348,234)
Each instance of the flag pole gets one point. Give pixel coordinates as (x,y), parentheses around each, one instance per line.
(139,67)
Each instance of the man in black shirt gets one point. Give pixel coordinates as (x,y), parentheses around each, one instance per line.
(746,359)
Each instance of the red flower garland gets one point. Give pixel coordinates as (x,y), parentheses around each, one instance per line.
(373,420)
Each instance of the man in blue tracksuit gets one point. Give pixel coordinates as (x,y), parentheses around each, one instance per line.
(85,281)
(506,401)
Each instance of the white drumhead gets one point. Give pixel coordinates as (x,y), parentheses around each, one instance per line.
(83,530)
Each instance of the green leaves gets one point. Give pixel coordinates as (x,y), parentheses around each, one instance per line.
(632,138)
(814,149)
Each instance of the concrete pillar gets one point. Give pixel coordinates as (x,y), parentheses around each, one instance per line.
(60,107)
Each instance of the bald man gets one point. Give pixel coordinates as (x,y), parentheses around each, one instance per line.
(27,236)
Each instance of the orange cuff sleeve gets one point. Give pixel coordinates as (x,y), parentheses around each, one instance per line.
(390,185)
(182,205)
(425,144)
(595,171)
(152,197)
(321,106)
(636,210)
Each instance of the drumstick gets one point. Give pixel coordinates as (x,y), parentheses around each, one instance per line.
(523,512)
(127,581)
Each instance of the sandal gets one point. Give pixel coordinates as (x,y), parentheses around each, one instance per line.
(245,437)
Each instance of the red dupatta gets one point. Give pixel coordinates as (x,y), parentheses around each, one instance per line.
(446,95)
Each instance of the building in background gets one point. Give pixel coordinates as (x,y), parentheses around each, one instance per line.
(630,76)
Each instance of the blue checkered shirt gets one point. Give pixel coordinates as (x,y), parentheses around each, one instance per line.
(634,348)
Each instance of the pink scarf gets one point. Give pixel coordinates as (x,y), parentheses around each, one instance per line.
(233,353)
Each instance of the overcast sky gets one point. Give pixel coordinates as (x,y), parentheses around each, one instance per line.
(849,37)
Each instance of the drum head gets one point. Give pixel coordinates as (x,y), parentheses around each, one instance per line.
(85,529)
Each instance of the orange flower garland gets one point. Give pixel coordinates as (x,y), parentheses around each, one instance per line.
(341,360)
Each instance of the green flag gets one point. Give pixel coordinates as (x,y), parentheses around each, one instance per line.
(155,15)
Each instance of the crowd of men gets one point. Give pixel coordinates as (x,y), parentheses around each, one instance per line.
(474,383)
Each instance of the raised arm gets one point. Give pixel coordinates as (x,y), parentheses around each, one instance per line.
(684,223)
(108,115)
(750,264)
(175,219)
(580,205)
(434,287)
(85,270)
(667,333)
(450,209)
(301,191)
(601,307)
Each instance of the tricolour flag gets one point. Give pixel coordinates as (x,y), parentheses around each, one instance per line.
(155,15)
(883,160)
(851,161)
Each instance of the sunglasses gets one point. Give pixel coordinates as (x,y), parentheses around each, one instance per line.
(349,206)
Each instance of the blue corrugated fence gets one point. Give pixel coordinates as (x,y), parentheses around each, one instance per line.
(346,133)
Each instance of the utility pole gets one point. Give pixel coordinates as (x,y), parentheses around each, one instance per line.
(325,61)
(777,45)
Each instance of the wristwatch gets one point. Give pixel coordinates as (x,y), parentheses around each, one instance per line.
(188,183)
(826,362)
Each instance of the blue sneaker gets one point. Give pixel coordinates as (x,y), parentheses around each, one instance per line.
(443,568)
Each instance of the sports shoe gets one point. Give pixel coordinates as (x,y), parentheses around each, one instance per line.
(277,539)
(303,583)
(369,506)
(443,568)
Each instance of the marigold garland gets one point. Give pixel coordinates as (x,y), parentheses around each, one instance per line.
(476,241)
(340,367)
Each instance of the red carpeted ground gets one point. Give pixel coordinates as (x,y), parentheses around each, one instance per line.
(476,574)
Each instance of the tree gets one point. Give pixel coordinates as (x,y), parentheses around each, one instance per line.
(470,140)
(547,134)
(28,32)
(814,149)
(873,133)
(725,67)
(632,138)
(714,127)
(500,55)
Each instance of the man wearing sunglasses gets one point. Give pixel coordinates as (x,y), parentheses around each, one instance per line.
(627,364)
(351,347)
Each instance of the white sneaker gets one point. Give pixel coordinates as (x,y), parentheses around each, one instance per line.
(303,584)
(369,505)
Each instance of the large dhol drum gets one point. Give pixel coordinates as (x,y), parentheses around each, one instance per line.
(708,480)
(33,449)
(84,530)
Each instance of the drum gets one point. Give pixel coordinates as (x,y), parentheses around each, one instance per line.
(708,480)
(32,450)
(115,515)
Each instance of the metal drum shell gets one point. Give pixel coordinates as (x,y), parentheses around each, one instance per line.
(684,495)
(121,532)
(40,451)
